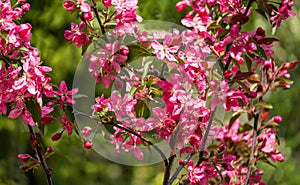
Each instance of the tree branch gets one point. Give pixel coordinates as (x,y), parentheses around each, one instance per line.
(248,7)
(94,7)
(204,139)
(38,149)
(168,168)
(179,168)
(255,134)
(129,131)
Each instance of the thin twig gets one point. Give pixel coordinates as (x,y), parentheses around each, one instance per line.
(255,134)
(179,168)
(94,7)
(129,131)
(251,157)
(204,139)
(248,7)
(38,150)
(168,169)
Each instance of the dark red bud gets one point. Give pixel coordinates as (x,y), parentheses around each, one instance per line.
(56,136)
(88,144)
(277,119)
(181,162)
(24,157)
(50,149)
(124,51)
(227,74)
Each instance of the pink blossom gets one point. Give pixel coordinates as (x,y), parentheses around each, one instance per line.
(201,173)
(65,94)
(122,106)
(46,118)
(166,50)
(75,35)
(283,12)
(67,125)
(101,102)
(86,131)
(26,7)
(231,133)
(132,145)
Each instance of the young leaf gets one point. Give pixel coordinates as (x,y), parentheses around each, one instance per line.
(142,110)
(264,104)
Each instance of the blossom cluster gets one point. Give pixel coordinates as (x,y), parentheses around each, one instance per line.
(185,93)
(26,90)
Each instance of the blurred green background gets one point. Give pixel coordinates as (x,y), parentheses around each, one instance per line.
(72,164)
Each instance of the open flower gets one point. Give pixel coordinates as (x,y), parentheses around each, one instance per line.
(65,94)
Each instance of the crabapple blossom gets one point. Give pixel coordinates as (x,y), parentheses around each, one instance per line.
(86,131)
(65,94)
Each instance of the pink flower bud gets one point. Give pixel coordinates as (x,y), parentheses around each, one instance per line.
(56,136)
(22,1)
(88,16)
(86,131)
(277,119)
(106,3)
(124,51)
(180,6)
(211,2)
(50,149)
(26,7)
(88,144)
(227,74)
(24,157)
(69,6)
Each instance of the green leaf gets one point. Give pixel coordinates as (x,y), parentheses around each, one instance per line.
(85,46)
(146,68)
(49,154)
(69,113)
(228,46)
(30,164)
(132,91)
(248,61)
(234,117)
(284,80)
(270,124)
(268,40)
(264,104)
(35,110)
(142,110)
(223,33)
(261,51)
(245,127)
(266,160)
(244,87)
